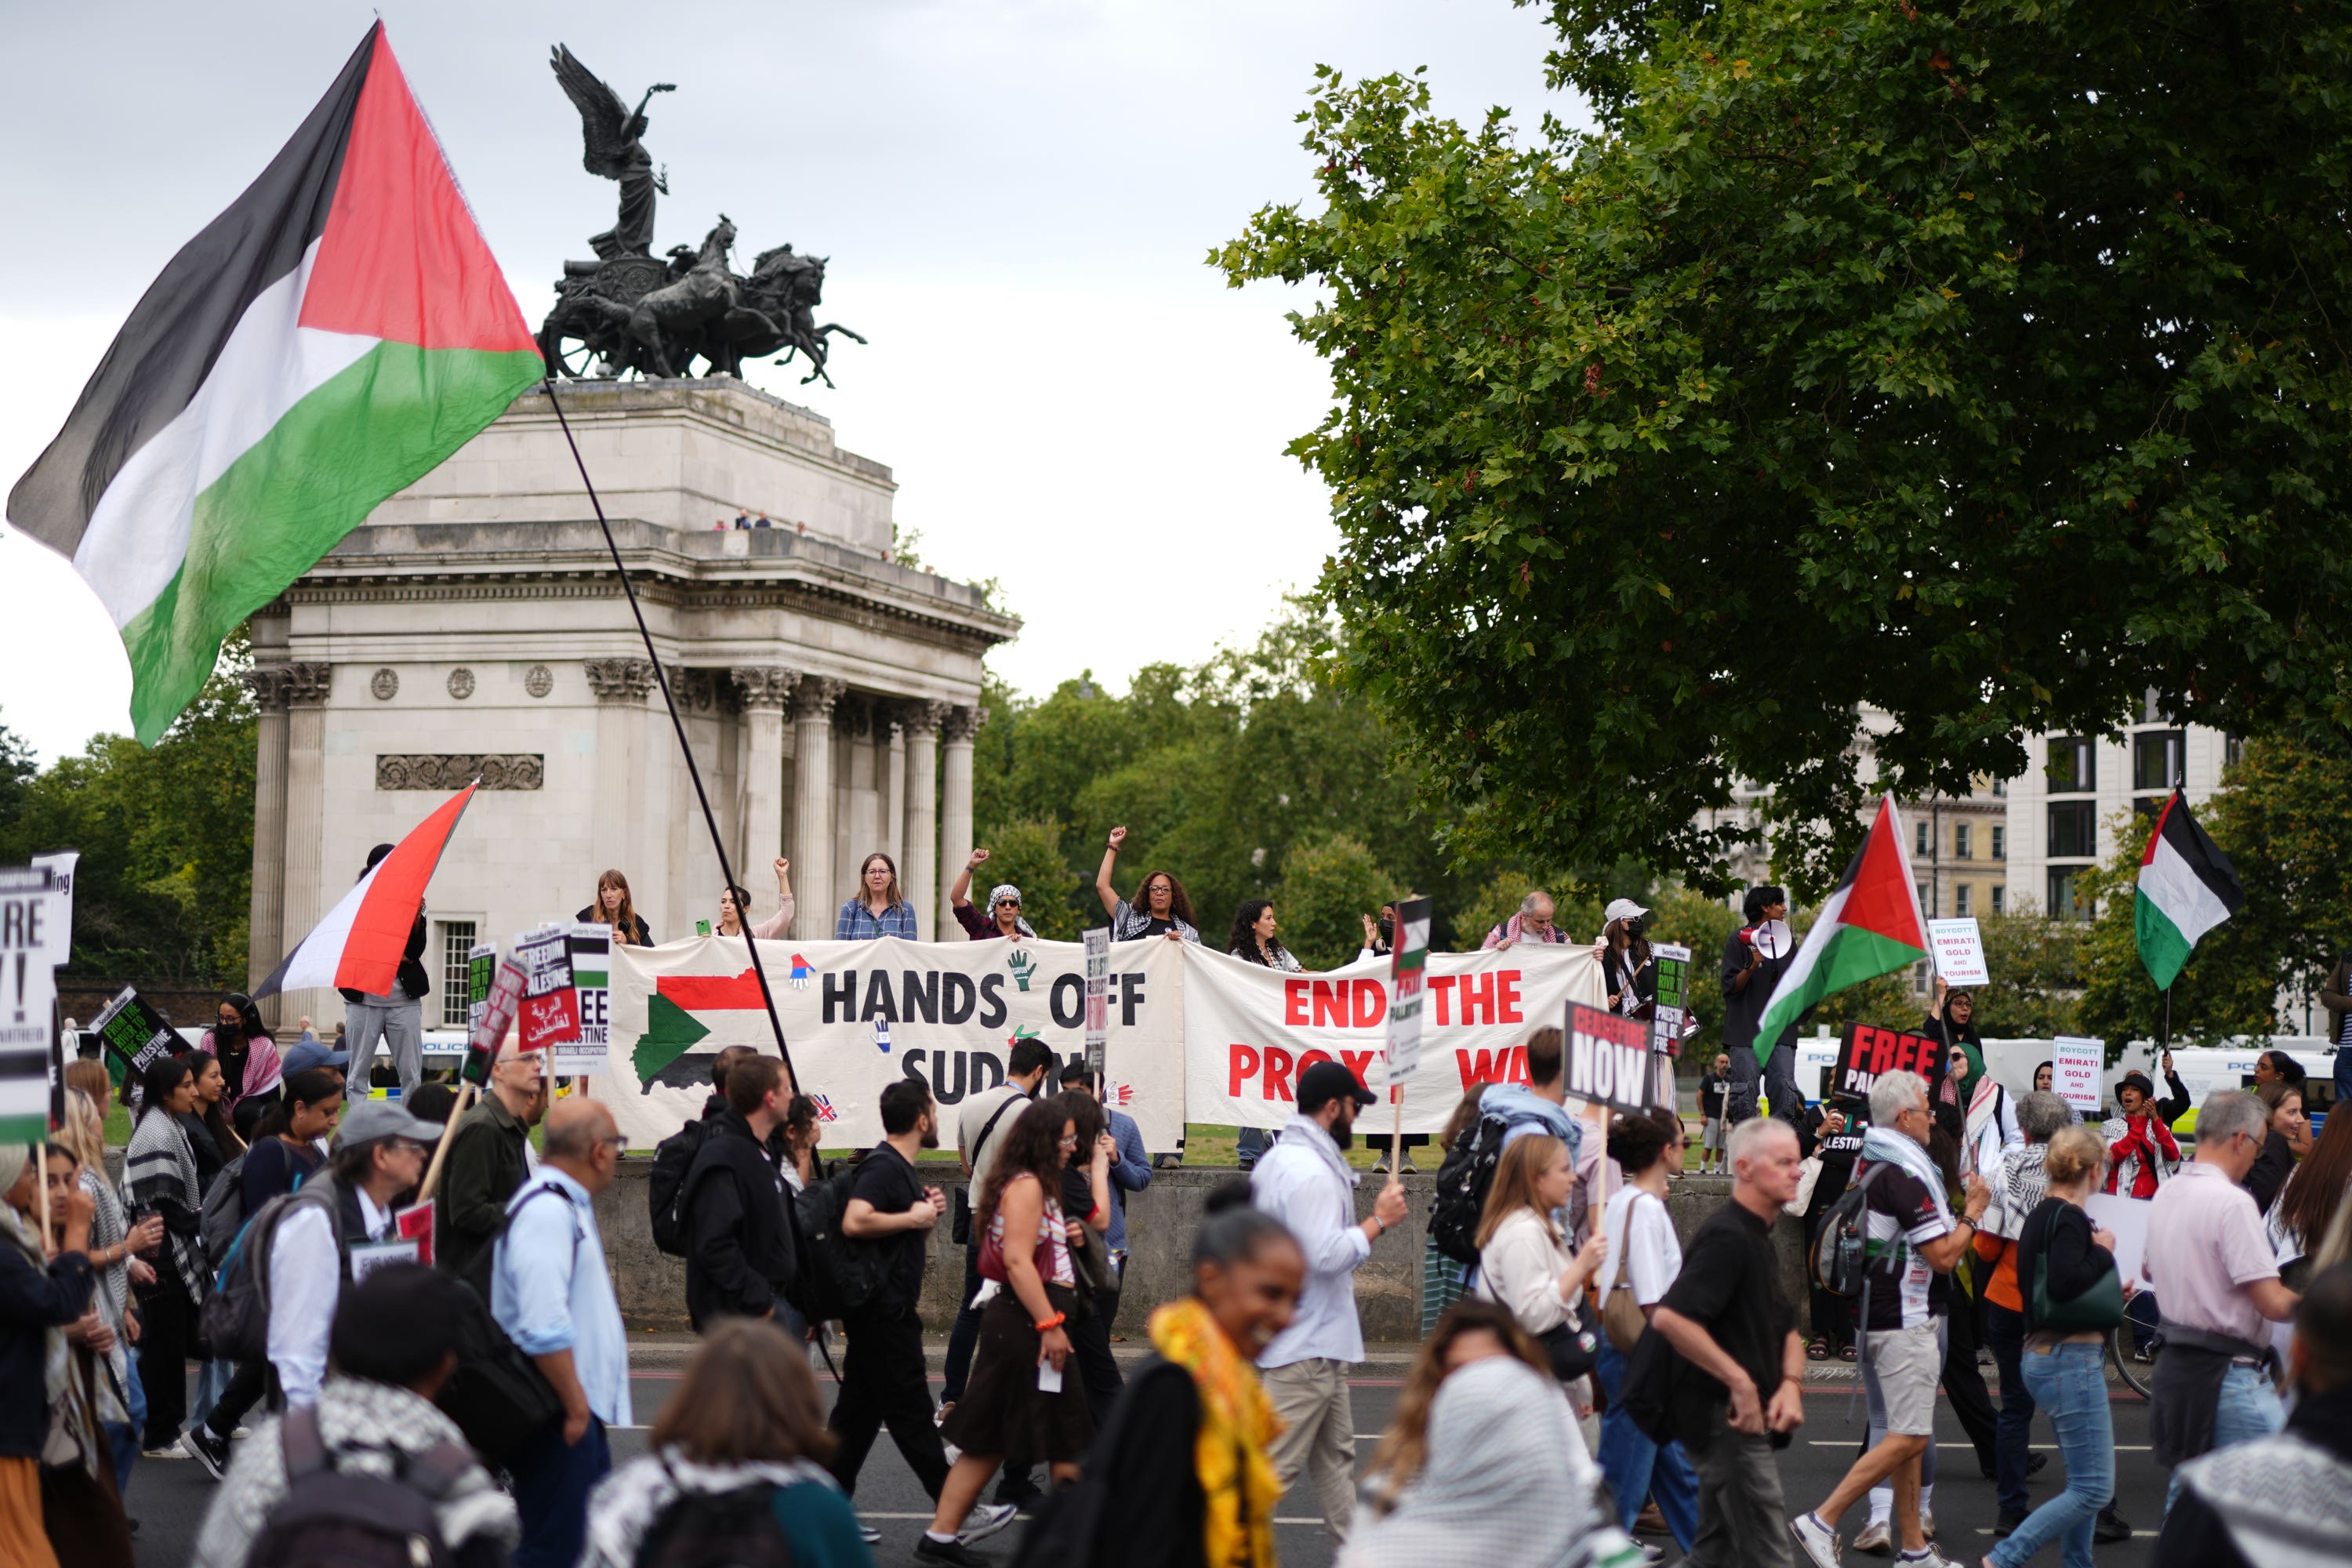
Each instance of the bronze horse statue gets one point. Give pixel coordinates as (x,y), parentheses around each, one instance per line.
(684,313)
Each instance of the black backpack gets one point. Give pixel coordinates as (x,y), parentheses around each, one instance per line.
(673,1158)
(331,1519)
(836,1274)
(1840,1260)
(1463,1180)
(734,1528)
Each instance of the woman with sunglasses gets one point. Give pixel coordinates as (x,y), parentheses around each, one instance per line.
(1003,918)
(1160,907)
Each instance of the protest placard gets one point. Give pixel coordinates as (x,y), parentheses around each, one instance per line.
(591,954)
(28,981)
(487,1035)
(1864,1051)
(1408,970)
(1670,1020)
(1097,943)
(134,1034)
(1609,1061)
(2076,1069)
(1958,948)
(549,1010)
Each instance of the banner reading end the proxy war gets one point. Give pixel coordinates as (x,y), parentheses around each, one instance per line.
(859,1013)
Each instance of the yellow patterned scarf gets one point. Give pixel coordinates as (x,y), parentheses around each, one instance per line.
(1237,1427)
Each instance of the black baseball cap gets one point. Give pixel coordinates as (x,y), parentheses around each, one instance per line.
(1324,1082)
(2138,1080)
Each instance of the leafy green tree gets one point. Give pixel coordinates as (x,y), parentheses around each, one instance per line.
(1974,358)
(162,893)
(1328,886)
(1028,854)
(2036,969)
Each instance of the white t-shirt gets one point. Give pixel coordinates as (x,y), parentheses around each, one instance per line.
(1656,1255)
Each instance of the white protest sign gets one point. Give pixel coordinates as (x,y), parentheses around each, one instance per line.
(2076,1066)
(1959,953)
(2126,1218)
(1408,969)
(1097,943)
(29,911)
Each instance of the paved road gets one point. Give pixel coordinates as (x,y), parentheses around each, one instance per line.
(168,1497)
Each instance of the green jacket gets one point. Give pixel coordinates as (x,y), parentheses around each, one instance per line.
(487,1164)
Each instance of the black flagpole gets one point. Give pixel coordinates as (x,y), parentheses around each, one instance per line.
(718,846)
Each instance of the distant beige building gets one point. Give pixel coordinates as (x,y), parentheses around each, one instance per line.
(475,626)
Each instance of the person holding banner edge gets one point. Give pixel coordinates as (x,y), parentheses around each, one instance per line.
(1160,907)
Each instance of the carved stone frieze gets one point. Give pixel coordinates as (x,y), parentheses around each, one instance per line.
(815,695)
(619,679)
(308,682)
(270,684)
(442,771)
(764,685)
(384,683)
(963,723)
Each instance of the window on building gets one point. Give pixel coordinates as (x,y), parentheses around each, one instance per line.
(456,943)
(2073,830)
(2073,765)
(2000,905)
(2062,904)
(1923,840)
(1927,901)
(2000,789)
(2158,756)
(1963,841)
(2000,843)
(1920,977)
(1963,899)
(2231,745)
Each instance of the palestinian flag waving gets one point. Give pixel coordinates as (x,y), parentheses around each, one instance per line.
(358,945)
(1870,926)
(2187,887)
(333,336)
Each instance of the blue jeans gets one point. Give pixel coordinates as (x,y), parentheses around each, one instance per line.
(551,1483)
(123,1436)
(1252,1144)
(2070,1383)
(211,1383)
(2013,1434)
(2141,1313)
(2248,1408)
(1637,1467)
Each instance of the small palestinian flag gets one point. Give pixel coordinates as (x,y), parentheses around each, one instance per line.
(358,945)
(329,339)
(1870,926)
(2187,887)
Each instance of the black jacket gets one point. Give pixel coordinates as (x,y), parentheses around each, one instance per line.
(33,1302)
(410,982)
(739,1241)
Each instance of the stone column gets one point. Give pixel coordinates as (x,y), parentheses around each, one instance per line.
(266,923)
(306,896)
(765,689)
(621,686)
(922,863)
(955,806)
(890,737)
(812,872)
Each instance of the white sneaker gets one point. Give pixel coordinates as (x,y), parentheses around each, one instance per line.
(1818,1541)
(985,1520)
(1926,1524)
(1877,1537)
(1928,1558)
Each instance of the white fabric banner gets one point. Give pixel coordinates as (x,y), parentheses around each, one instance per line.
(858,1015)
(1249,1031)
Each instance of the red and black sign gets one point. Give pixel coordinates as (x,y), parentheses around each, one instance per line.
(1865,1050)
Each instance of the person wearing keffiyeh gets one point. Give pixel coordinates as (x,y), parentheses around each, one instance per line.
(1004,916)
(159,1177)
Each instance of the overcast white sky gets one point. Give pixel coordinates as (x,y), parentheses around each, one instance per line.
(1016,195)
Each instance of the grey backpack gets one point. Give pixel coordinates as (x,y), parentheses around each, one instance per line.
(235,1318)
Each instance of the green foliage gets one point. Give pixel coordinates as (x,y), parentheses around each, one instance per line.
(1329,885)
(1219,772)
(162,892)
(2280,817)
(2036,969)
(1028,854)
(1576,907)
(1973,359)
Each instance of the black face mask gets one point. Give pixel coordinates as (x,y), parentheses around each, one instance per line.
(1634,930)
(1388,930)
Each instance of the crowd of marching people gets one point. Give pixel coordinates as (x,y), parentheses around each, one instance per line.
(1590,1369)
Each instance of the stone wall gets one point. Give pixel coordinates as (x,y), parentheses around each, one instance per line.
(1160,1222)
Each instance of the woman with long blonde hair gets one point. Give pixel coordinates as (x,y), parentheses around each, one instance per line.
(1524,1262)
(613,906)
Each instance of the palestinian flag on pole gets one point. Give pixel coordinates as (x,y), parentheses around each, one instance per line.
(358,946)
(333,336)
(2187,887)
(1870,926)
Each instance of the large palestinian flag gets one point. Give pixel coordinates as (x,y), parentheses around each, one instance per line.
(333,335)
(2187,887)
(1870,926)
(358,945)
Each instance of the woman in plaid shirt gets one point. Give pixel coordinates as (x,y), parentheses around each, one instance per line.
(880,908)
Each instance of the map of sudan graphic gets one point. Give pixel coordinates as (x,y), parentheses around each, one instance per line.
(665,1053)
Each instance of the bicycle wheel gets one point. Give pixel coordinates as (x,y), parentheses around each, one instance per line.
(2135,1373)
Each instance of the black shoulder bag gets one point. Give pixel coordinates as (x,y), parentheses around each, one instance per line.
(959,1226)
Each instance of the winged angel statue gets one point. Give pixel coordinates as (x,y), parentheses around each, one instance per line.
(615,152)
